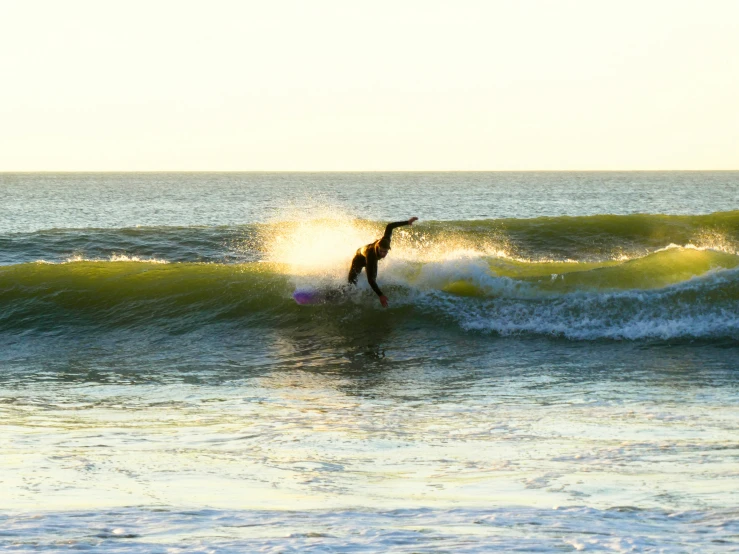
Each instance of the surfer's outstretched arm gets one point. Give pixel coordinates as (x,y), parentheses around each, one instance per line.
(390,226)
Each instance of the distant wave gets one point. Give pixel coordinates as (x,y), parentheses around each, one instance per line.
(586,238)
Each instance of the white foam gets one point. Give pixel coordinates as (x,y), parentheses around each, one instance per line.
(621,315)
(113,258)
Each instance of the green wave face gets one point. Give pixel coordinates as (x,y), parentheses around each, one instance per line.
(676,292)
(133,293)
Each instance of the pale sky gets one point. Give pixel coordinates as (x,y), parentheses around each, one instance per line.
(322,85)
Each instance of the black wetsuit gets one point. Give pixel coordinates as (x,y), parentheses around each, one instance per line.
(367,257)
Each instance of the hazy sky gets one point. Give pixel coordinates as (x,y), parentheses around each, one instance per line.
(381,85)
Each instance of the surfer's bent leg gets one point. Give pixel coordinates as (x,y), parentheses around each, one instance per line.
(357,264)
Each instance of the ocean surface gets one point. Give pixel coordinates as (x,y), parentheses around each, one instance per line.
(557,370)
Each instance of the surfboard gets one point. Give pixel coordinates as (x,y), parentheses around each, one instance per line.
(305,297)
(313,296)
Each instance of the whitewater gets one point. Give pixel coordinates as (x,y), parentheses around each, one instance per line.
(556,370)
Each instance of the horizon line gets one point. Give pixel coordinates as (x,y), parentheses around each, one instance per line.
(5,172)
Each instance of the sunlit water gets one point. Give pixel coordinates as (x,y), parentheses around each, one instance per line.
(205,413)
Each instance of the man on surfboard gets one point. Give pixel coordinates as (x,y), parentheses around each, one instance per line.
(369,255)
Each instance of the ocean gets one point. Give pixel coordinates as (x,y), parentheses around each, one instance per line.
(557,370)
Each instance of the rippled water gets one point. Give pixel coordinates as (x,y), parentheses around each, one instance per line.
(69,200)
(191,406)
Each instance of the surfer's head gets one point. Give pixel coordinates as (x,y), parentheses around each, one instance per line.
(382,248)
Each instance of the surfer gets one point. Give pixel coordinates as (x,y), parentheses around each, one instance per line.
(369,255)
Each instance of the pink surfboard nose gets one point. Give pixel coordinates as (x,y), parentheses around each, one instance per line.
(304,297)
